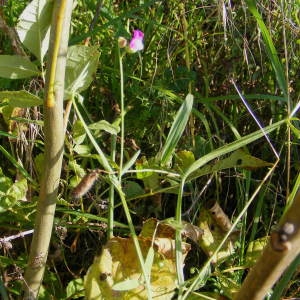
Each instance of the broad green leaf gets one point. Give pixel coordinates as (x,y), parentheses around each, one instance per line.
(132,189)
(142,164)
(75,288)
(270,48)
(16,67)
(11,193)
(34,27)
(228,285)
(82,62)
(176,130)
(82,149)
(105,126)
(76,168)
(20,99)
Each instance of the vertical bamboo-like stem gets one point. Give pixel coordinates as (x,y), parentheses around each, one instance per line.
(54,140)
(283,248)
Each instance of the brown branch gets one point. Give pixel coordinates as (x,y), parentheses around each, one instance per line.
(282,249)
(13,36)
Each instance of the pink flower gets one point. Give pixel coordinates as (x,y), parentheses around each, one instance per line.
(137,43)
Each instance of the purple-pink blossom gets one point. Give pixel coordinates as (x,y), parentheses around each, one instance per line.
(137,41)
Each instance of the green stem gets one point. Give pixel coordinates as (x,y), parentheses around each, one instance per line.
(134,238)
(117,185)
(54,142)
(178,244)
(122,113)
(110,231)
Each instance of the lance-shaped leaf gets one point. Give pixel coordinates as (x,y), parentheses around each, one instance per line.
(270,48)
(34,27)
(176,130)
(82,63)
(16,67)
(20,99)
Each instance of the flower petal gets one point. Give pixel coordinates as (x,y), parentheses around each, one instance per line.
(137,43)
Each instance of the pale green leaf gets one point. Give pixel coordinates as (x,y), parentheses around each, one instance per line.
(149,260)
(16,67)
(20,99)
(254,251)
(177,129)
(126,285)
(105,126)
(75,288)
(130,162)
(82,64)
(34,27)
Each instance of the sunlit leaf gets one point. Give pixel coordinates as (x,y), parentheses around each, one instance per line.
(212,236)
(34,27)
(20,99)
(184,159)
(254,251)
(116,274)
(16,67)
(82,62)
(75,288)
(105,126)
(176,130)
(79,133)
(126,285)
(11,193)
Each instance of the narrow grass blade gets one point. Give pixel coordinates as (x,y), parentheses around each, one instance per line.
(131,162)
(17,165)
(270,48)
(177,129)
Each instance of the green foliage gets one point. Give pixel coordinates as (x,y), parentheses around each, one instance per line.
(172,148)
(82,63)
(19,99)
(34,27)
(176,130)
(16,67)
